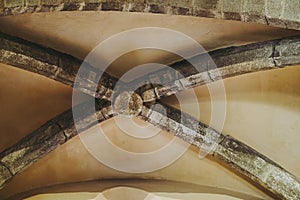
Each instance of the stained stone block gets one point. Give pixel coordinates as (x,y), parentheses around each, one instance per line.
(232,6)
(254,7)
(113,6)
(291,24)
(206,4)
(273,8)
(32,2)
(13,3)
(158,2)
(246,53)
(286,52)
(181,3)
(232,9)
(28,49)
(73,1)
(1,6)
(292,10)
(69,68)
(66,122)
(51,2)
(133,1)
(4,175)
(33,147)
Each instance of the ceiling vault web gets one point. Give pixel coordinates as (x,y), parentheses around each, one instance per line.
(180,76)
(230,61)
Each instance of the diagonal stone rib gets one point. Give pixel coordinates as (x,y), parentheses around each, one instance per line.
(55,65)
(49,136)
(219,64)
(229,151)
(284,14)
(59,130)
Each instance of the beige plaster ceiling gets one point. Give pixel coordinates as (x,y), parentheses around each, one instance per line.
(262,109)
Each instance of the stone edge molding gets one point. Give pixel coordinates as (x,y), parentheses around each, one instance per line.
(278,13)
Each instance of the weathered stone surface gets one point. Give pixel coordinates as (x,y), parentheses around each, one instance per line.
(38,59)
(69,67)
(291,10)
(182,125)
(235,55)
(283,14)
(287,52)
(49,136)
(253,11)
(5,175)
(206,4)
(220,64)
(232,6)
(55,65)
(66,123)
(13,3)
(181,4)
(32,147)
(272,5)
(20,46)
(259,168)
(32,3)
(232,61)
(254,7)
(51,2)
(230,151)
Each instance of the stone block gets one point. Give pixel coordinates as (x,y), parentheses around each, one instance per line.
(180,3)
(254,7)
(274,8)
(206,4)
(33,147)
(32,2)
(13,3)
(291,10)
(4,175)
(51,2)
(232,6)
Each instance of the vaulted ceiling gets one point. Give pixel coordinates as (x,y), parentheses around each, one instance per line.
(262,108)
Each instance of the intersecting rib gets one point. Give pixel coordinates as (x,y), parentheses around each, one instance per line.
(230,62)
(230,151)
